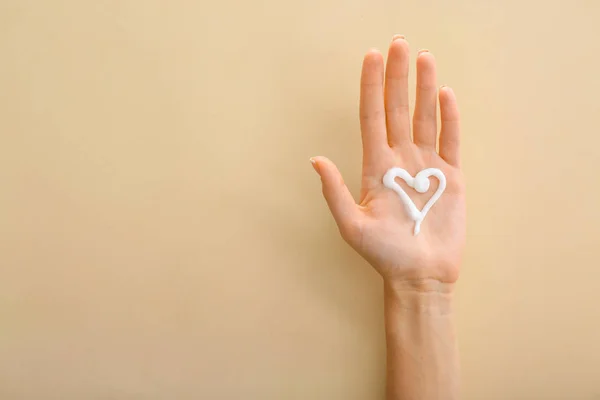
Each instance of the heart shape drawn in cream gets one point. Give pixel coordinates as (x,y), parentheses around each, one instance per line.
(421,184)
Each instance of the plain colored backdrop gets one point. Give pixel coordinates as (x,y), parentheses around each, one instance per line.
(163,235)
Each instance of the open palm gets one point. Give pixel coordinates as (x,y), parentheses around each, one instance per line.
(379,227)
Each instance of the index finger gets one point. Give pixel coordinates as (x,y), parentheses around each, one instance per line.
(372,109)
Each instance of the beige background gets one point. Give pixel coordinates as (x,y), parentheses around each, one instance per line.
(162,235)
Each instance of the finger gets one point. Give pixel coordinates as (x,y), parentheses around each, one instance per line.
(424,119)
(372,111)
(396,93)
(450,132)
(338,197)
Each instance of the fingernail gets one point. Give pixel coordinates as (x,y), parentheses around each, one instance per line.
(396,37)
(423,51)
(442,86)
(314,164)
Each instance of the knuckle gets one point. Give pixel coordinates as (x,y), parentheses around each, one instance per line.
(374,115)
(399,109)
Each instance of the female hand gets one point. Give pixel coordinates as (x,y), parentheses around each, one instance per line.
(379,227)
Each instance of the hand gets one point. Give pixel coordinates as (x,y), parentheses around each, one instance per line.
(379,227)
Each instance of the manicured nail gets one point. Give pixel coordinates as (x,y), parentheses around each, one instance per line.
(423,51)
(396,37)
(314,164)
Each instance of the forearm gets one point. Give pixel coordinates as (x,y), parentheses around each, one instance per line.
(422,354)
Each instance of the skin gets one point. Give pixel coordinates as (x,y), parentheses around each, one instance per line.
(419,271)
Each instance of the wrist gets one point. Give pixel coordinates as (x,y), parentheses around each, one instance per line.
(422,355)
(422,285)
(422,296)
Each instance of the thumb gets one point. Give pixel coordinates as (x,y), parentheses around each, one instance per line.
(336,193)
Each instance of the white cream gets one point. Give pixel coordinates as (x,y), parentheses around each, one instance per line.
(421,184)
